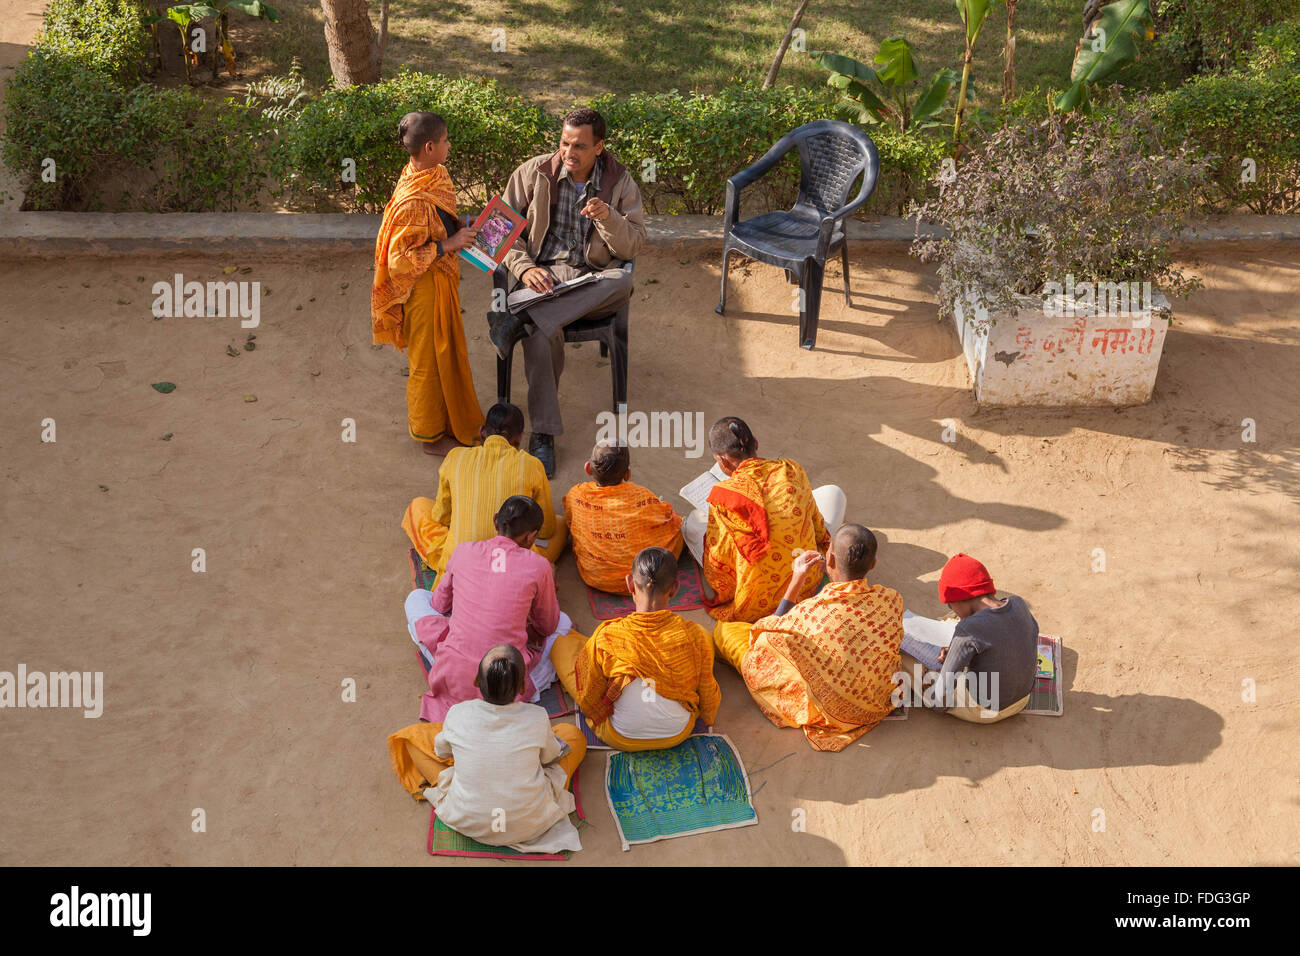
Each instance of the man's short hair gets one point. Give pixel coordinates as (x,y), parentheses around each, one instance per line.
(609,463)
(855,549)
(419,128)
(500,674)
(505,420)
(731,438)
(586,116)
(518,516)
(654,569)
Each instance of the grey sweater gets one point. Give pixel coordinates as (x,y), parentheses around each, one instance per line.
(1002,641)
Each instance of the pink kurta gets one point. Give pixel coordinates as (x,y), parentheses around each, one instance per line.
(493,592)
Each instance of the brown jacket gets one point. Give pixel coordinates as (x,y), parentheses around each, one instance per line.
(532,191)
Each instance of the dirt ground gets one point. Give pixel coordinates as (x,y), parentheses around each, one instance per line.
(223,688)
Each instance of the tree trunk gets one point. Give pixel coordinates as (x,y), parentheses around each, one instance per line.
(1009,55)
(353,46)
(785,44)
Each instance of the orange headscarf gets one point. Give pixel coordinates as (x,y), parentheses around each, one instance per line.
(404,250)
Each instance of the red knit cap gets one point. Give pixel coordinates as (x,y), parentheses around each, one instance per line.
(963,578)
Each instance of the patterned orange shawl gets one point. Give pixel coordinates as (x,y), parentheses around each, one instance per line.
(404,250)
(659,646)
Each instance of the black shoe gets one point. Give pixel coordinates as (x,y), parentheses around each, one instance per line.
(542,447)
(504,330)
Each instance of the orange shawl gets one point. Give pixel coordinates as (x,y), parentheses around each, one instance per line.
(743,510)
(659,646)
(404,250)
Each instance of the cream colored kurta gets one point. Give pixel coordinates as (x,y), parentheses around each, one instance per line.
(498,791)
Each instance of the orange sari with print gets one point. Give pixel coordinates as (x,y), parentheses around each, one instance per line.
(415,305)
(757,517)
(827,664)
(609,525)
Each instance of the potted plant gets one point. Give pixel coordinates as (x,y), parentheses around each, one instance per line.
(1059,253)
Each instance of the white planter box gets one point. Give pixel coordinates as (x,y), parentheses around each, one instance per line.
(1088,358)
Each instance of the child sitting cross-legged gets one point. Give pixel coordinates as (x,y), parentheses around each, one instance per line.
(507,769)
(643,679)
(611,519)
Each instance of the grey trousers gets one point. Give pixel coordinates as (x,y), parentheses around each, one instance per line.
(544,348)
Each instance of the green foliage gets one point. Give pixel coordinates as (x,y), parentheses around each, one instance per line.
(108,36)
(1206,35)
(1252,114)
(491,132)
(201,156)
(1095,196)
(1113,46)
(1274,48)
(877,96)
(56,108)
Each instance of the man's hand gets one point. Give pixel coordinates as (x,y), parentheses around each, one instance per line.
(538,279)
(596,209)
(943,652)
(461,240)
(804,562)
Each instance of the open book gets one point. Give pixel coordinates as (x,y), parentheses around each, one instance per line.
(523,297)
(697,491)
(499,226)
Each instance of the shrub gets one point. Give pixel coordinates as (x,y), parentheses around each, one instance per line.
(1249,114)
(1202,35)
(683,147)
(108,36)
(1093,196)
(203,156)
(56,109)
(491,132)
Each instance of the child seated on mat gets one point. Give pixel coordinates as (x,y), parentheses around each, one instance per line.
(994,648)
(493,592)
(507,774)
(611,519)
(642,680)
(472,483)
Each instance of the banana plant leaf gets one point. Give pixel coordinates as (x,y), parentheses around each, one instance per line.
(1115,46)
(933,99)
(897,65)
(973,13)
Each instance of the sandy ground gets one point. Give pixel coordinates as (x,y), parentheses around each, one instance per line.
(223,689)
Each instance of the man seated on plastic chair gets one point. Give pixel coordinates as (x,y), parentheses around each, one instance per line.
(584,215)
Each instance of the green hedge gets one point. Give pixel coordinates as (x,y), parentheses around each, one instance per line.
(691,143)
(108,36)
(56,109)
(1251,113)
(491,132)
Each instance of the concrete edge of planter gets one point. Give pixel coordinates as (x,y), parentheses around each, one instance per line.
(42,235)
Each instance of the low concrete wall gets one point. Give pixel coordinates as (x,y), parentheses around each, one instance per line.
(55,234)
(41,235)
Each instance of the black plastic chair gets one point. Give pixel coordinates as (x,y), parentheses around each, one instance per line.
(832,155)
(610,331)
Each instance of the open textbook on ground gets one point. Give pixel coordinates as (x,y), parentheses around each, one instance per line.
(697,491)
(523,297)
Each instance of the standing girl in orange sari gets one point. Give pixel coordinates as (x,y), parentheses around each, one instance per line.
(415,301)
